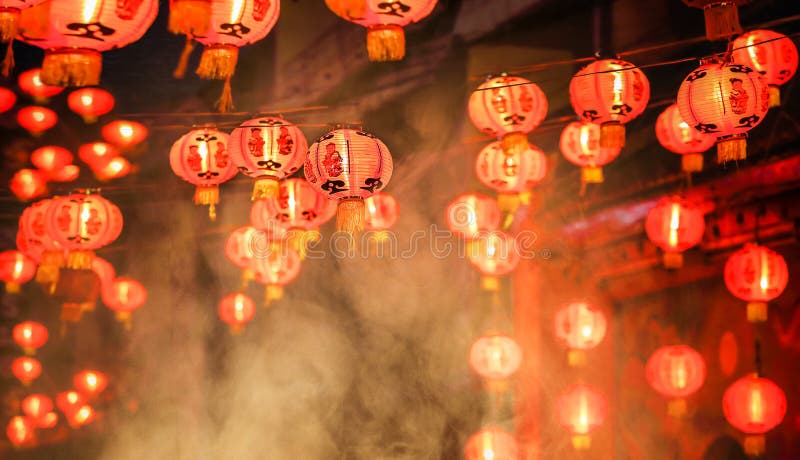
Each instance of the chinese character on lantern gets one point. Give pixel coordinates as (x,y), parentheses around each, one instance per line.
(580,326)
(754,405)
(677,136)
(757,275)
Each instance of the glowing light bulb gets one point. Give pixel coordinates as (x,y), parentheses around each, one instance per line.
(90,11)
(126,130)
(237,11)
(674,224)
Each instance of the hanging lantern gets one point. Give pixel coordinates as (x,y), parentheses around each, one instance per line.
(512,175)
(33,224)
(31,83)
(90,383)
(268,150)
(677,136)
(124,133)
(27,184)
(51,158)
(36,120)
(725,100)
(240,247)
(67,173)
(90,103)
(580,326)
(494,254)
(581,408)
(116,168)
(78,31)
(384,21)
(124,296)
(609,92)
(236,310)
(472,214)
(15,269)
(36,406)
(26,369)
(200,157)
(30,335)
(382,213)
(495,357)
(347,166)
(509,107)
(754,405)
(769,53)
(7,99)
(676,372)
(491,443)
(722,17)
(48,420)
(97,154)
(69,402)
(580,144)
(20,431)
(675,225)
(275,268)
(81,416)
(105,273)
(757,275)
(189,17)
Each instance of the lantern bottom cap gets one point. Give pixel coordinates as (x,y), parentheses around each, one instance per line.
(12,287)
(351,215)
(207,195)
(490,283)
(189,17)
(754,445)
(386,43)
(774,96)
(497,386)
(576,358)
(692,162)
(581,441)
(236,329)
(676,408)
(71,67)
(273,292)
(509,202)
(612,135)
(80,259)
(757,312)
(515,143)
(731,149)
(264,188)
(673,260)
(9,24)
(722,20)
(592,175)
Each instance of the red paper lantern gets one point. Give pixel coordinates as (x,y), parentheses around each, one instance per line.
(48,420)
(20,431)
(30,335)
(581,408)
(26,369)
(241,245)
(37,406)
(124,296)
(675,225)
(513,174)
(754,405)
(90,103)
(15,269)
(722,17)
(36,120)
(677,136)
(33,225)
(97,154)
(105,272)
(676,372)
(236,310)
(494,254)
(31,83)
(90,382)
(757,275)
(201,157)
(51,158)
(27,184)
(382,213)
(384,22)
(495,357)
(580,144)
(116,168)
(580,326)
(348,165)
(124,133)
(275,268)
(725,100)
(268,150)
(189,17)
(7,99)
(78,31)
(67,173)
(81,416)
(69,402)
(609,92)
(491,443)
(769,53)
(509,107)
(472,214)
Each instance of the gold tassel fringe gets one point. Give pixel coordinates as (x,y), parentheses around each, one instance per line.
(12,287)
(273,292)
(124,317)
(71,67)
(755,445)
(47,272)
(612,135)
(592,175)
(509,202)
(732,149)
(350,216)
(297,238)
(9,24)
(207,195)
(757,312)
(189,17)
(692,162)
(265,187)
(225,102)
(673,260)
(386,43)
(8,60)
(515,143)
(218,62)
(676,407)
(183,61)
(722,20)
(774,96)
(80,260)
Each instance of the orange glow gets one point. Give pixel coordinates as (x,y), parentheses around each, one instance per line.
(69,401)
(90,103)
(236,310)
(491,443)
(581,409)
(97,154)
(90,382)
(124,133)
(676,371)
(37,406)
(20,431)
(116,168)
(26,369)
(580,326)
(36,119)
(754,405)
(30,335)
(51,158)
(495,356)
(125,295)
(27,184)
(31,83)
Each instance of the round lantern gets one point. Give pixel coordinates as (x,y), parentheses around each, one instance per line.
(754,405)
(471,215)
(769,53)
(512,175)
(757,275)
(7,99)
(124,133)
(90,103)
(509,107)
(675,225)
(124,296)
(33,224)
(200,157)
(97,154)
(69,402)
(15,268)
(236,310)
(81,416)
(580,326)
(580,144)
(78,31)
(347,165)
(51,158)
(676,372)
(382,213)
(495,357)
(724,100)
(581,408)
(189,17)
(241,246)
(30,335)
(677,136)
(491,443)
(105,273)
(27,184)
(36,406)
(31,83)
(67,173)
(20,431)
(90,382)
(26,369)
(268,150)
(36,120)
(275,268)
(609,92)
(722,17)
(494,254)
(116,168)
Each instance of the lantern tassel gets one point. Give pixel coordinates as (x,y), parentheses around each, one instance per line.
(207,195)
(592,175)
(189,17)
(581,441)
(218,62)
(273,292)
(732,149)
(8,60)
(754,445)
(490,283)
(722,20)
(692,162)
(47,272)
(757,312)
(183,62)
(71,67)
(124,317)
(350,216)
(264,188)
(386,43)
(80,259)
(297,240)
(774,96)
(9,24)
(576,358)
(247,276)
(509,202)
(673,260)
(514,143)
(612,135)
(225,102)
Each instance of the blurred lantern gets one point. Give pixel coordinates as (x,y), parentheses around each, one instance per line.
(722,17)
(15,269)
(757,275)
(508,107)
(189,17)
(78,31)
(236,310)
(491,443)
(240,246)
(36,120)
(48,420)
(677,136)
(124,296)
(30,335)
(27,184)
(268,150)
(7,99)
(51,158)
(69,402)
(676,372)
(275,268)
(580,326)
(609,92)
(675,225)
(31,83)
(90,103)
(26,369)
(124,133)
(90,382)
(754,405)
(33,224)
(116,168)
(472,214)
(725,100)
(494,254)
(769,53)
(68,173)
(581,408)
(9,17)
(37,406)
(384,22)
(200,157)
(511,175)
(348,166)
(105,273)
(580,144)
(495,357)
(20,431)
(81,416)
(97,154)
(382,213)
